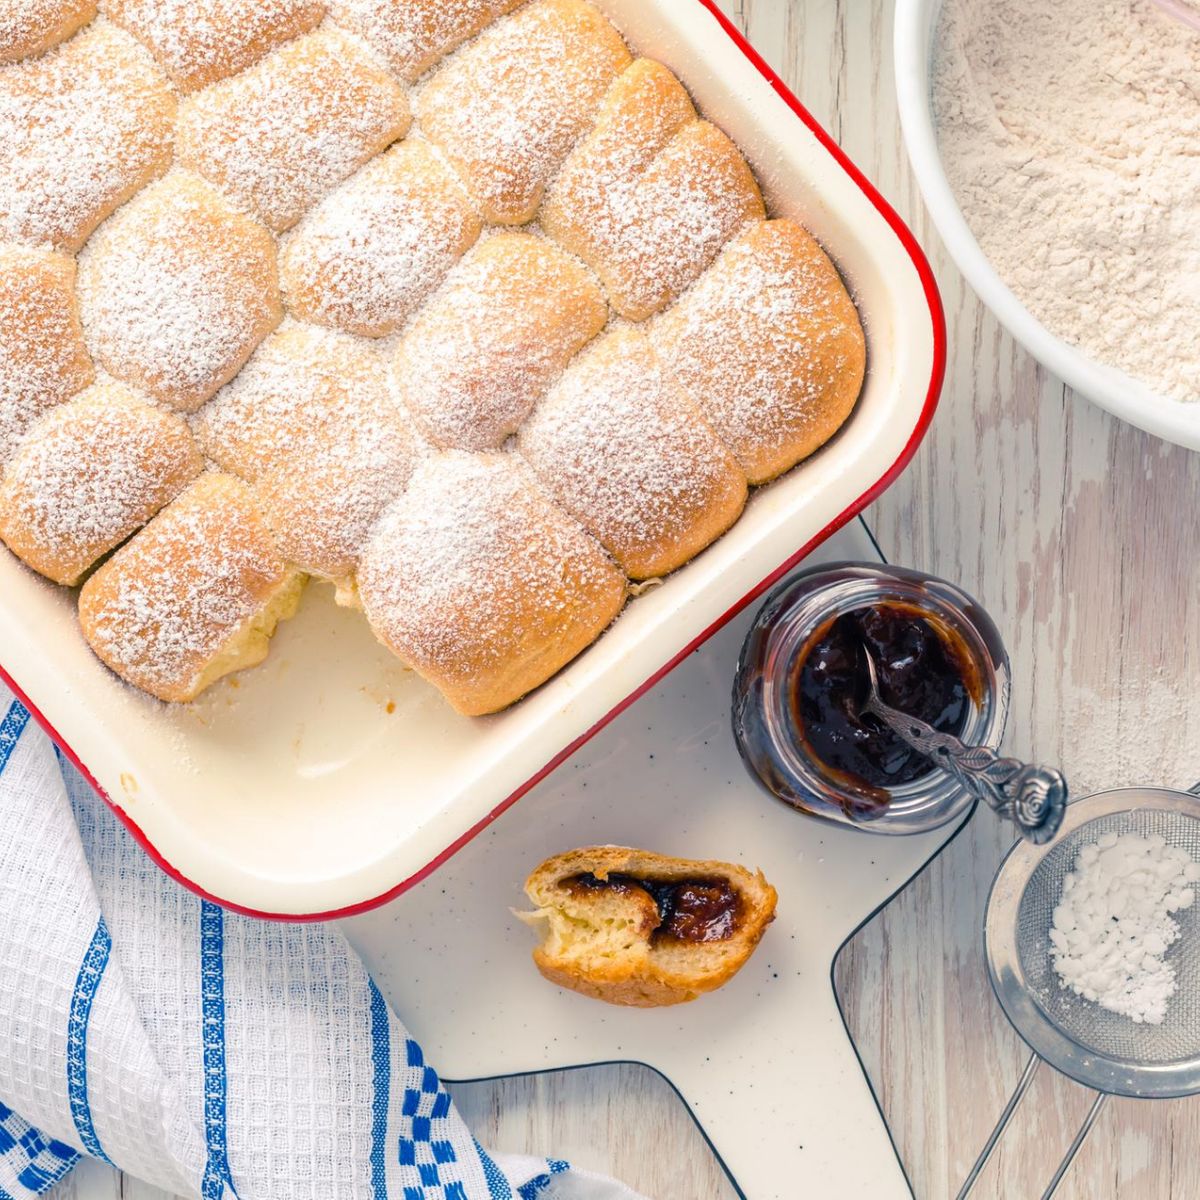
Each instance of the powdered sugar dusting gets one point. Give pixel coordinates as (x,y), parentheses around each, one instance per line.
(90,473)
(620,447)
(323,509)
(201,41)
(311,420)
(168,601)
(81,129)
(469,568)
(413,35)
(367,256)
(651,196)
(305,389)
(43,360)
(508,107)
(476,359)
(280,135)
(769,345)
(1114,924)
(32,26)
(698,193)
(176,291)
(470,560)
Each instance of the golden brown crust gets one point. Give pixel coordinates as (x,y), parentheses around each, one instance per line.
(29,27)
(481,585)
(43,360)
(650,196)
(88,474)
(639,992)
(637,969)
(507,109)
(192,597)
(622,448)
(769,346)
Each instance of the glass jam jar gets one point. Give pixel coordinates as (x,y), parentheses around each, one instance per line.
(796,617)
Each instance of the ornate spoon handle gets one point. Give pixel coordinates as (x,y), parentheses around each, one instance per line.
(1034,797)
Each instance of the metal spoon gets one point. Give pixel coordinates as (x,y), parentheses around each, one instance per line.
(1033,797)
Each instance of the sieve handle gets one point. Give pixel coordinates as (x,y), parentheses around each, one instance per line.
(1084,1129)
(1001,1125)
(1006,1116)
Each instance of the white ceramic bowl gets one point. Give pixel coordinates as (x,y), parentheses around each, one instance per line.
(330,778)
(1122,395)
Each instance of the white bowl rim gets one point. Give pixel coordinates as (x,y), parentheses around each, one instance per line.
(1122,395)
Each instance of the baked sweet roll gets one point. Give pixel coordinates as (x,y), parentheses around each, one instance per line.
(507,108)
(176,291)
(769,346)
(202,41)
(481,585)
(88,474)
(194,596)
(478,357)
(412,35)
(636,928)
(323,509)
(81,129)
(29,27)
(651,194)
(374,249)
(620,446)
(432,424)
(43,359)
(311,422)
(282,134)
(304,389)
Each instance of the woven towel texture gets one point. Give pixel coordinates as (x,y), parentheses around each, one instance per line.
(212,1055)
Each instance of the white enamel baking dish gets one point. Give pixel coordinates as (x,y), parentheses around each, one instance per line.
(330,779)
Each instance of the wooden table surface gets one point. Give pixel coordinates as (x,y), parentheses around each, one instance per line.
(1082,537)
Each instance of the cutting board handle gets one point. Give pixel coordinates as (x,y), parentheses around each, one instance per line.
(778,1135)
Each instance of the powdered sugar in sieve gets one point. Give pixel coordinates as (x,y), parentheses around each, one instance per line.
(1099,1048)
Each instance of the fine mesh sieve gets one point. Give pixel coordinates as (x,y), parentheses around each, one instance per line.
(1098,1048)
(1097,1029)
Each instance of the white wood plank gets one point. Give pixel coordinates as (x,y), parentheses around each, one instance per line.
(624,1120)
(90,1180)
(135,1189)
(1072,529)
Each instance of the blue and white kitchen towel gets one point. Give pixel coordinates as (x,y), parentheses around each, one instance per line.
(212,1055)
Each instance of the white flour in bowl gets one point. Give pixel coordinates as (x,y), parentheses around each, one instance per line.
(1070,133)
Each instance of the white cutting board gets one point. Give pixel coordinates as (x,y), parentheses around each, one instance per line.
(765,1064)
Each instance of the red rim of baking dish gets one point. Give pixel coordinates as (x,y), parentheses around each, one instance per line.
(937,316)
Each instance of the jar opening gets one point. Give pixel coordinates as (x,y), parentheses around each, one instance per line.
(924,669)
(783,755)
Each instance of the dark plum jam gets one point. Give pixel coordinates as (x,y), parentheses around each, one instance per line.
(692,910)
(920,670)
